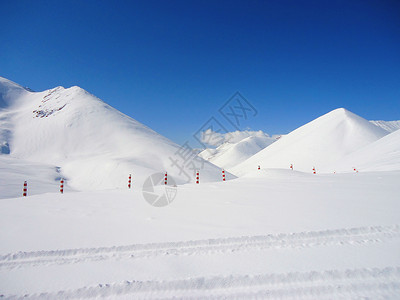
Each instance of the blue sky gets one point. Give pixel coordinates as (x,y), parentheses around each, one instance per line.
(172,64)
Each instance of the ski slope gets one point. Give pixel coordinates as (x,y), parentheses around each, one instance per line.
(321,143)
(92,145)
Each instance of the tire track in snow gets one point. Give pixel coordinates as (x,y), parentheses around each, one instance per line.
(350,236)
(354,283)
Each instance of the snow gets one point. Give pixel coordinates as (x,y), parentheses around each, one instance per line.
(235,151)
(381,155)
(320,143)
(282,232)
(389,126)
(272,233)
(93,145)
(216,139)
(41,178)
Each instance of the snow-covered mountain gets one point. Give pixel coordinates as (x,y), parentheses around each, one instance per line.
(72,134)
(92,144)
(320,143)
(240,147)
(389,126)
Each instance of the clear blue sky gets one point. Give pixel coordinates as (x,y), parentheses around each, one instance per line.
(172,64)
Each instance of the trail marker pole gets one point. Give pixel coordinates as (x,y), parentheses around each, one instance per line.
(223,175)
(62,186)
(197,177)
(25,189)
(129,181)
(259,167)
(314,171)
(291,166)
(165,178)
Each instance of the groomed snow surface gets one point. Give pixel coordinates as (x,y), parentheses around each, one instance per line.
(273,233)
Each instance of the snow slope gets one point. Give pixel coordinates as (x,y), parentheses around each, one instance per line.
(234,152)
(95,146)
(320,143)
(382,155)
(389,126)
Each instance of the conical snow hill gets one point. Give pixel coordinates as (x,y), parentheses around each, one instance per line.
(320,143)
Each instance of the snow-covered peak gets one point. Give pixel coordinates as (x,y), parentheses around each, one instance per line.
(219,138)
(241,146)
(95,145)
(319,143)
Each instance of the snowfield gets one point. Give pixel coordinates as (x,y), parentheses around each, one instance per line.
(279,234)
(268,233)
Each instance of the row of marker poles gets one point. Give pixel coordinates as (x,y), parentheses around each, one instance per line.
(25,189)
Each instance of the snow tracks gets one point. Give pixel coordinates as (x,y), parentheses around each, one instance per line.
(357,282)
(349,284)
(352,236)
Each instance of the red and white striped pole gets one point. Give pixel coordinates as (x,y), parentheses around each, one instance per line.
(129,181)
(62,186)
(223,175)
(291,166)
(166,178)
(25,189)
(314,171)
(355,170)
(197,177)
(259,167)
